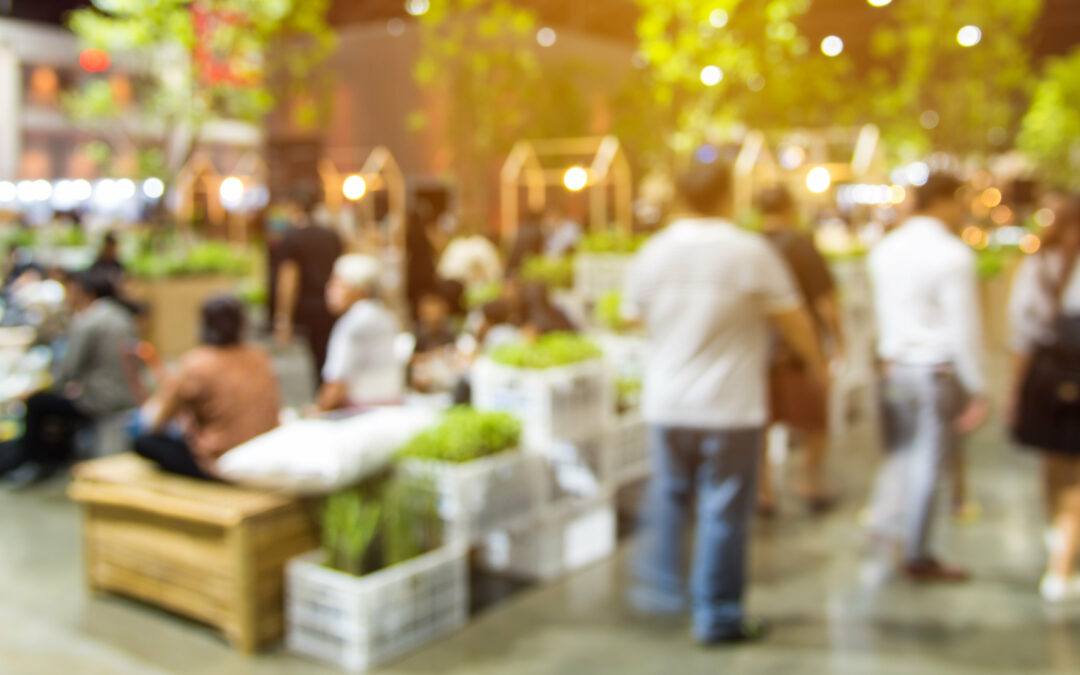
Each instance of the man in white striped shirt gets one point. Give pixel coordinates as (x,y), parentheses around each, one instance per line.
(931,349)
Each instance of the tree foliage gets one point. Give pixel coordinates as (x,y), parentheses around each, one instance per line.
(1049,130)
(194,62)
(974,94)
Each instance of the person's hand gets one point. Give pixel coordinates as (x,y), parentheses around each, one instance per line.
(973,416)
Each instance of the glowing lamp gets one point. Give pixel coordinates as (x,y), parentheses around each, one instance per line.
(94,60)
(575,179)
(354,188)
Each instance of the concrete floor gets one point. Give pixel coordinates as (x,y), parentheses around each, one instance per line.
(834,610)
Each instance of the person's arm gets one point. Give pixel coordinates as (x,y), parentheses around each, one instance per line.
(288,290)
(332,396)
(960,305)
(829,310)
(76,355)
(796,327)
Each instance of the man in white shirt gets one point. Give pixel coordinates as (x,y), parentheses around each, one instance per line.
(708,293)
(930,346)
(361,367)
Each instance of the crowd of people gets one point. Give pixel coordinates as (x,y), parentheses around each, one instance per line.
(744,331)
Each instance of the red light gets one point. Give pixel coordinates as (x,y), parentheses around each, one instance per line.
(94,60)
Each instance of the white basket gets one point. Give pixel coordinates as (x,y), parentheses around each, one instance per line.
(577,469)
(566,538)
(629,449)
(598,273)
(483,495)
(357,623)
(567,403)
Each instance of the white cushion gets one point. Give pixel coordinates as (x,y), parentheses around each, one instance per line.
(318,456)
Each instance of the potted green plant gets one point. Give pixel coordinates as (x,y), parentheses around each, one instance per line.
(474,464)
(383,583)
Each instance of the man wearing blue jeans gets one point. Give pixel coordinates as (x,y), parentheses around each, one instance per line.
(709,294)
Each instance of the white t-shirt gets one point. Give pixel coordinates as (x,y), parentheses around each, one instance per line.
(361,355)
(926,300)
(705,290)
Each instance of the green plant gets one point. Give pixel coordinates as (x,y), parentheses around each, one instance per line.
(554,273)
(627,393)
(204,258)
(547,351)
(465,434)
(254,293)
(612,241)
(479,295)
(384,521)
(21,237)
(608,312)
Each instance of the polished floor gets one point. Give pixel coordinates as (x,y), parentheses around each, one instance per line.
(834,609)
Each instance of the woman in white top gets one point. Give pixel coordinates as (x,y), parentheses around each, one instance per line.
(1047,286)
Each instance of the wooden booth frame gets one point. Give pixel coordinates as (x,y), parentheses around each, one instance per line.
(608,167)
(380,172)
(757,165)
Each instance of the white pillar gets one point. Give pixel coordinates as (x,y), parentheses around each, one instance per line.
(10,113)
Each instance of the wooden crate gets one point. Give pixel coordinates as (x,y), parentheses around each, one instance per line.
(209,551)
(172,325)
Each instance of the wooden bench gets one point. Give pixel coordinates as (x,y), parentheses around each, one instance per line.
(209,551)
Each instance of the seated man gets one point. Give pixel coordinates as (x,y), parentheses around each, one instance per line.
(93,381)
(224,394)
(361,367)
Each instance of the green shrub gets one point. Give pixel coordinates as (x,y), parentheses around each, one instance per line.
(383,522)
(479,295)
(206,258)
(608,312)
(465,434)
(554,273)
(612,241)
(547,351)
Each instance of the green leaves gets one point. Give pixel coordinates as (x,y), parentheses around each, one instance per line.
(205,258)
(385,521)
(548,351)
(465,434)
(612,241)
(552,272)
(1052,124)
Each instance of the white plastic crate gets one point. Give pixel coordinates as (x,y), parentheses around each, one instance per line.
(598,273)
(566,538)
(571,402)
(357,623)
(577,469)
(629,449)
(480,496)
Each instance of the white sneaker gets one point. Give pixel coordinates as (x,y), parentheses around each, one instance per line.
(1054,588)
(1053,540)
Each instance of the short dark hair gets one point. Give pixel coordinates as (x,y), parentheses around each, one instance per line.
(222,321)
(705,187)
(939,187)
(775,200)
(95,282)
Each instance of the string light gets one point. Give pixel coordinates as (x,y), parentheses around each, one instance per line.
(711,76)
(832,46)
(575,179)
(969,36)
(354,188)
(818,180)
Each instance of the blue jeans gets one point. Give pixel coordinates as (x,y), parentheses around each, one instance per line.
(720,467)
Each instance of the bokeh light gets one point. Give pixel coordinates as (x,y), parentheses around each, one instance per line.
(575,179)
(832,46)
(711,76)
(818,180)
(969,36)
(546,37)
(354,188)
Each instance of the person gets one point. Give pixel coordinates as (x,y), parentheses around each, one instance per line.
(795,398)
(563,234)
(93,381)
(1045,302)
(707,292)
(423,240)
(930,349)
(308,252)
(224,393)
(361,366)
(541,314)
(528,243)
(108,258)
(278,222)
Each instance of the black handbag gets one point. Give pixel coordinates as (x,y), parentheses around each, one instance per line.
(1049,406)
